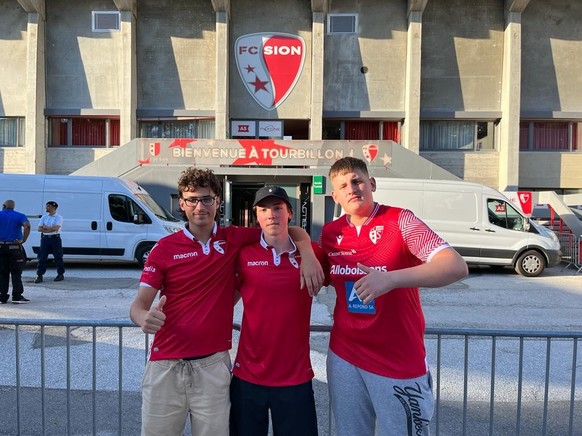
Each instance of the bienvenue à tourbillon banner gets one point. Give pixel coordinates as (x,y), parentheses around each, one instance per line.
(257,152)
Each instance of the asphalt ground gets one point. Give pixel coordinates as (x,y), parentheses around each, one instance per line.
(486,299)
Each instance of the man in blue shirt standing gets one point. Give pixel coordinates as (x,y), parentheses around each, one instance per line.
(14,231)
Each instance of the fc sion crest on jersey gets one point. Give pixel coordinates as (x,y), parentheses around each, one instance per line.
(376,233)
(269,65)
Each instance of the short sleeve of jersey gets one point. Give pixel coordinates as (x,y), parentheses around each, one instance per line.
(421,240)
(153,271)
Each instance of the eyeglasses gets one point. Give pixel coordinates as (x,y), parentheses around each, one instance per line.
(193,201)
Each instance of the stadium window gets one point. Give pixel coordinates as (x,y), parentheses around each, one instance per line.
(457,135)
(361,130)
(11,131)
(549,136)
(83,132)
(172,128)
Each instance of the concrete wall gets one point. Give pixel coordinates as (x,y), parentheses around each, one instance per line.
(551,54)
(255,16)
(13,21)
(482,167)
(83,67)
(461,71)
(380,45)
(176,56)
(462,56)
(543,170)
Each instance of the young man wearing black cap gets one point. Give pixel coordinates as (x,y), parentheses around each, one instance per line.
(49,227)
(272,370)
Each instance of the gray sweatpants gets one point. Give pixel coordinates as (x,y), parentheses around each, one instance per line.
(367,404)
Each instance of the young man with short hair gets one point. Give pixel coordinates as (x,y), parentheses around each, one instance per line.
(188,370)
(378,376)
(272,370)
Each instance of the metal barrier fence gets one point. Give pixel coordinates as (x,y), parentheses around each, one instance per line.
(83,377)
(571,246)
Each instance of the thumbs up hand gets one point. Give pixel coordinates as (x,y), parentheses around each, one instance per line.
(155,317)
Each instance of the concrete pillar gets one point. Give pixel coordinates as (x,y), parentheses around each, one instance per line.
(128,109)
(411,125)
(510,97)
(317,79)
(35,94)
(409,133)
(222,128)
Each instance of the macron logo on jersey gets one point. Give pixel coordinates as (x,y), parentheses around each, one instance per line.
(258,263)
(355,305)
(339,239)
(185,255)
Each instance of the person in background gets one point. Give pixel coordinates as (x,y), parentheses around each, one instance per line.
(272,370)
(49,228)
(188,370)
(378,377)
(14,231)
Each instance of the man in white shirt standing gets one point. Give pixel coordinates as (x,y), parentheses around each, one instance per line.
(49,227)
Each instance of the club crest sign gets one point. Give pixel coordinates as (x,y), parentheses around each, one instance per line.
(269,65)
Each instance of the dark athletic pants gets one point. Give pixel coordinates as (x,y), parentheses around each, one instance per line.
(292,409)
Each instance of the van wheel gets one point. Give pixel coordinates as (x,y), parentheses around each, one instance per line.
(530,264)
(142,253)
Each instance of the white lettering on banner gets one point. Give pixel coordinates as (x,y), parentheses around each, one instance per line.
(254,153)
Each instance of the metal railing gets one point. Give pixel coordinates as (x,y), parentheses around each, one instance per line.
(571,246)
(80,377)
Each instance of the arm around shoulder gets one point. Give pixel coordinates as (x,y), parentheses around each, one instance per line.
(311,272)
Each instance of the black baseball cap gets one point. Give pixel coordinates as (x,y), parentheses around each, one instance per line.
(271,191)
(52,203)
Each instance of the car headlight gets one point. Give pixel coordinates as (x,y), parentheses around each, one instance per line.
(172,229)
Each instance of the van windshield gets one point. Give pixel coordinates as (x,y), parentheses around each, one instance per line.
(158,210)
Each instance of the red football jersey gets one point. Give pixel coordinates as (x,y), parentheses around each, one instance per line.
(198,281)
(386,336)
(273,348)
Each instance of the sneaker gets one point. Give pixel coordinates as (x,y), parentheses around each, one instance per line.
(38,279)
(59,278)
(3,300)
(20,300)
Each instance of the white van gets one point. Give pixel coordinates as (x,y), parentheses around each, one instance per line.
(479,222)
(105,218)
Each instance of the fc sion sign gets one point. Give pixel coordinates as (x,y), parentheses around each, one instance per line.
(269,65)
